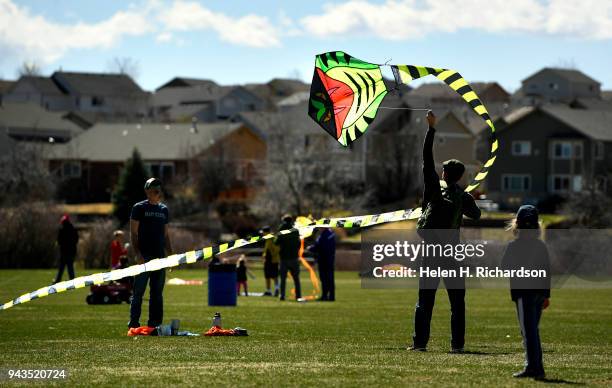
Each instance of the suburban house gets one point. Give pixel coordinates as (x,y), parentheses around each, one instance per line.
(206,103)
(91,163)
(455,140)
(5,86)
(101,96)
(6,144)
(557,86)
(178,82)
(42,91)
(110,96)
(31,122)
(277,89)
(440,94)
(550,150)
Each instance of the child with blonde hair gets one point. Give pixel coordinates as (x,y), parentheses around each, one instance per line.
(531,295)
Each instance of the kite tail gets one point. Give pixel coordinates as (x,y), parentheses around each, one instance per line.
(403,74)
(205,254)
(311,273)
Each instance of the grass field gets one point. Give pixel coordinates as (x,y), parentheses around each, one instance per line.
(358,340)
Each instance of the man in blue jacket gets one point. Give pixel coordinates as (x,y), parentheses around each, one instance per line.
(324,249)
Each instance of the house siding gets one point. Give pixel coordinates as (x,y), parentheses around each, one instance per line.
(542,131)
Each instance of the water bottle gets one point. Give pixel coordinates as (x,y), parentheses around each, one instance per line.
(217,320)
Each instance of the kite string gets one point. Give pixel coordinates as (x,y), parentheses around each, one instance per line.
(387,107)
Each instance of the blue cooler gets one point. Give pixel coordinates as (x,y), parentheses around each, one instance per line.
(222,285)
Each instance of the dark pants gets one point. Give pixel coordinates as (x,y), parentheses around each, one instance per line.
(293,267)
(326,274)
(455,287)
(529,311)
(66,260)
(156,280)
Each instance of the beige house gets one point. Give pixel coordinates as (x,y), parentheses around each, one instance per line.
(454,140)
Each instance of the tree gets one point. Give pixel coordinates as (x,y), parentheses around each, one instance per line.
(216,175)
(398,170)
(590,208)
(301,178)
(129,189)
(24,175)
(125,65)
(29,69)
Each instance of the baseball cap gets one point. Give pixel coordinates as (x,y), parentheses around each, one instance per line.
(152,183)
(527,216)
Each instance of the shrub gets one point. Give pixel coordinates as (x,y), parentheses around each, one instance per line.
(28,235)
(184,240)
(129,189)
(95,244)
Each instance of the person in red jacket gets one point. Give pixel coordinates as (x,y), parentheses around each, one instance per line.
(118,250)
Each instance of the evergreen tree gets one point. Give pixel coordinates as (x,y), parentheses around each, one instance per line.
(129,189)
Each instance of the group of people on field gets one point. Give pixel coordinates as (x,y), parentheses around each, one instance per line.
(281,256)
(443,207)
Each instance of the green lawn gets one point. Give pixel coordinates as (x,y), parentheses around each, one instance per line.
(358,340)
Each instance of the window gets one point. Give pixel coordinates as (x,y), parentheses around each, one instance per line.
(562,150)
(71,169)
(163,171)
(567,149)
(241,171)
(577,150)
(516,182)
(599,150)
(563,183)
(577,183)
(553,86)
(521,148)
(560,183)
(97,101)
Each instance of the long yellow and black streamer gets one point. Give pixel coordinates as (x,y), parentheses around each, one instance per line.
(206,254)
(407,73)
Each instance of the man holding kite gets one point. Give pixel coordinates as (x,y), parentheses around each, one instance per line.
(444,205)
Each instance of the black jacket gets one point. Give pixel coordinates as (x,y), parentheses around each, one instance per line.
(67,239)
(433,194)
(531,253)
(289,244)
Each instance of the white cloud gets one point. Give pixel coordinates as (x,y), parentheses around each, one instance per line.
(33,36)
(408,19)
(249,30)
(164,37)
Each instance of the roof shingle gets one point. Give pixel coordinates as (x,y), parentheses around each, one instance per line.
(115,142)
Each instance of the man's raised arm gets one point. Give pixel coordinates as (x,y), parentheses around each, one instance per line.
(430,177)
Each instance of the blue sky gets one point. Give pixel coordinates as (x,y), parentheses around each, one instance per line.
(253,41)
